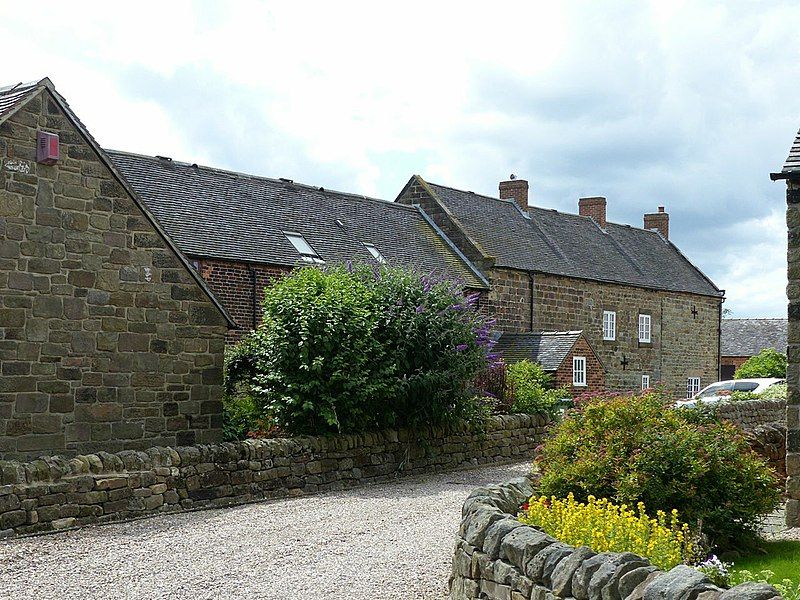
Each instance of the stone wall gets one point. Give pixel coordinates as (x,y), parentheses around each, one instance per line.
(752,413)
(793,350)
(55,493)
(498,558)
(107,340)
(682,344)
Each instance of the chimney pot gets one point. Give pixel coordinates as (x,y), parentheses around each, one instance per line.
(516,190)
(594,207)
(659,221)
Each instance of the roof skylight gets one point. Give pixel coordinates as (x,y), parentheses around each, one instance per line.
(307,253)
(376,254)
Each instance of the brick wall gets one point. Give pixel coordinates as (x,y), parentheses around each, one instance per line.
(595,374)
(233,284)
(682,344)
(729,364)
(240,288)
(793,371)
(106,340)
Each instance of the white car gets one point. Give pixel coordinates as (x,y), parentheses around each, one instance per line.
(721,389)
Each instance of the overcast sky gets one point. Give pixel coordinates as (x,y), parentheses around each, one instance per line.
(689,105)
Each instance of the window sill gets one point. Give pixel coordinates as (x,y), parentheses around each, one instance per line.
(580,385)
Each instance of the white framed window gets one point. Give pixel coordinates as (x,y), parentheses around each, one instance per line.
(609,325)
(579,370)
(692,386)
(644,328)
(376,254)
(645,382)
(307,253)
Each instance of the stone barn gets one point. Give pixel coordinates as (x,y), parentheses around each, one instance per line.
(109,339)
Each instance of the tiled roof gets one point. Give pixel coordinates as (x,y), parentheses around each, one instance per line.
(748,337)
(548,348)
(571,245)
(793,160)
(12,96)
(221,214)
(791,168)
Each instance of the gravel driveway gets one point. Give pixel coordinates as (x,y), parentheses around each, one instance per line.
(379,542)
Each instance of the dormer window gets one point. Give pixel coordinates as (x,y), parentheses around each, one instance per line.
(376,254)
(307,253)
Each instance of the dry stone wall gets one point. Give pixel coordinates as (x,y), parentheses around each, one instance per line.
(498,558)
(55,493)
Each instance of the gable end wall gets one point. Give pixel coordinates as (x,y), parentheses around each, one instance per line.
(106,340)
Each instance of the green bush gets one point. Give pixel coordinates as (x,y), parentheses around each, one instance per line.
(633,449)
(355,349)
(530,386)
(767,363)
(777,391)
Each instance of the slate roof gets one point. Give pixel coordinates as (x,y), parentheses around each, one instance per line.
(221,214)
(571,245)
(548,348)
(748,337)
(14,96)
(791,168)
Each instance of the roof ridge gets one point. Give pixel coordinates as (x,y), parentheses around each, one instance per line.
(535,207)
(755,319)
(278,180)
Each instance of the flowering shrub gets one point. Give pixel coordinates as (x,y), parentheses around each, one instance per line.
(634,449)
(607,527)
(354,349)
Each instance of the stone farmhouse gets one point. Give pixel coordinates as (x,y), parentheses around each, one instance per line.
(647,312)
(744,338)
(109,339)
(242,231)
(790,173)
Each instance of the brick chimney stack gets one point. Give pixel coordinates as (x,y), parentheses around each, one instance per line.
(516,190)
(658,221)
(593,207)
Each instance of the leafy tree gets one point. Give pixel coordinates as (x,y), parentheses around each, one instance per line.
(767,363)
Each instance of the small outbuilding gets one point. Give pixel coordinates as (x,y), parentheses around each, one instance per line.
(566,355)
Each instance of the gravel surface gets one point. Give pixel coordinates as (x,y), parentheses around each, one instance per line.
(379,542)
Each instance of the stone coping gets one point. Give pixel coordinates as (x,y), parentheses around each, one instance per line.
(498,558)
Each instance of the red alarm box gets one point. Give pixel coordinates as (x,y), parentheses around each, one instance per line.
(47,148)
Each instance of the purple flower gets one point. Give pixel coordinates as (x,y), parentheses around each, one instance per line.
(419,309)
(461,347)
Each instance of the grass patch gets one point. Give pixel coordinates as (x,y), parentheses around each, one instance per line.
(782,558)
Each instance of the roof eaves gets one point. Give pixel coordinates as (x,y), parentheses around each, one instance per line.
(140,204)
(453,247)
